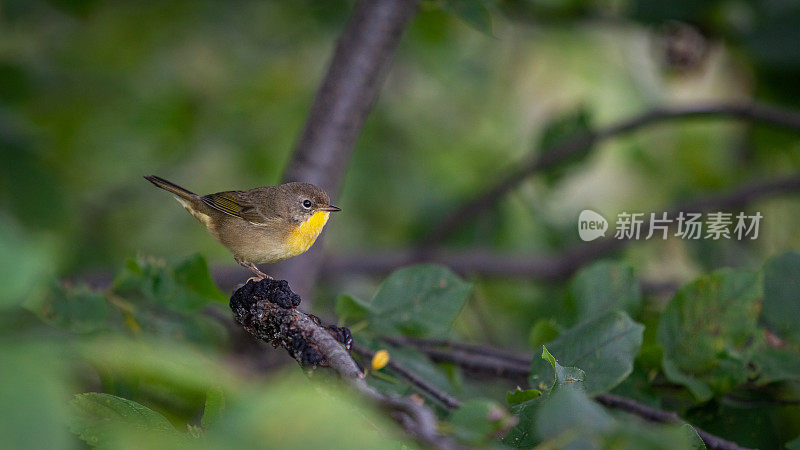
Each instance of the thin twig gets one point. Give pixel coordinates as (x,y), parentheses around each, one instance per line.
(488,360)
(656,415)
(355,74)
(574,146)
(446,344)
(553,266)
(430,390)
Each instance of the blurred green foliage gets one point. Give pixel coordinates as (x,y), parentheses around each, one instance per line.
(212,95)
(152,362)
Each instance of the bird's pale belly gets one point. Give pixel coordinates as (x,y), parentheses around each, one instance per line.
(266,244)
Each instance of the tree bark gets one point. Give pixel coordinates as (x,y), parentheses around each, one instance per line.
(363,53)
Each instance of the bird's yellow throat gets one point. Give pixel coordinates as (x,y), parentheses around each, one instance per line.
(304,235)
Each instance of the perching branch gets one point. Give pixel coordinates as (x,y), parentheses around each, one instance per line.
(487,360)
(267,310)
(363,54)
(549,266)
(574,146)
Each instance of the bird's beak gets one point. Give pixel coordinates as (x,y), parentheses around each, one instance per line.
(330,208)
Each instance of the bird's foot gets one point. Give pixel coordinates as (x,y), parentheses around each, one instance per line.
(258,278)
(259,274)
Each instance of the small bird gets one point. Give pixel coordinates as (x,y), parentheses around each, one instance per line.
(260,225)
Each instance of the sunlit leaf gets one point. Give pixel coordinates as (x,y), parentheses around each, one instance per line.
(518,396)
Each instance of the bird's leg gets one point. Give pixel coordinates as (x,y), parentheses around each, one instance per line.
(259,274)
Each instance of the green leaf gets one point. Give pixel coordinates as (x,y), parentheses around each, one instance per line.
(604,347)
(542,332)
(780,311)
(568,411)
(562,375)
(634,434)
(194,274)
(473,12)
(696,442)
(186,286)
(33,386)
(97,417)
(547,356)
(759,424)
(24,262)
(567,406)
(146,300)
(565,417)
(185,370)
(700,389)
(78,309)
(564,409)
(559,129)
(215,404)
(708,331)
(478,421)
(421,366)
(288,413)
(776,364)
(518,395)
(350,309)
(420,301)
(522,435)
(605,287)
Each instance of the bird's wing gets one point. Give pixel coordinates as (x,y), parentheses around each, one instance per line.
(232,203)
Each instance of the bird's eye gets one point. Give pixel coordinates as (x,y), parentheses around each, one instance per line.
(307,204)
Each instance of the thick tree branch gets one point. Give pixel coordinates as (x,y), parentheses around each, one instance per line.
(576,145)
(267,310)
(549,266)
(487,360)
(363,53)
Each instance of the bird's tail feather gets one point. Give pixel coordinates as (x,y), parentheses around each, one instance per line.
(171,187)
